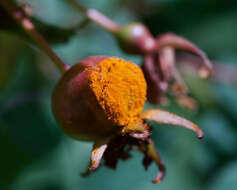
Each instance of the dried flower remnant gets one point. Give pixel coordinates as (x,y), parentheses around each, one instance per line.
(100,99)
(159,60)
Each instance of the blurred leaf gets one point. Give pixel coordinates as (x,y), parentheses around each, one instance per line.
(52,34)
(27,137)
(226,96)
(201,89)
(8,63)
(218,131)
(225,178)
(10,166)
(26,134)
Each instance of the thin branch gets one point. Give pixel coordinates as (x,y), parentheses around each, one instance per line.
(22,19)
(96,17)
(78,6)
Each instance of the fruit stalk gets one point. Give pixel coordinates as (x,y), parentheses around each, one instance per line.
(96,17)
(23,20)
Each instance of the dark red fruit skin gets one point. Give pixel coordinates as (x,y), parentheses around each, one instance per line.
(75,106)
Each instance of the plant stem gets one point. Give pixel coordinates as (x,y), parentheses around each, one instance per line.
(20,17)
(96,17)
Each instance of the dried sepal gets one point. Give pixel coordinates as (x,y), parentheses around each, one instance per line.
(120,146)
(181,43)
(97,153)
(151,154)
(166,56)
(169,72)
(164,117)
(118,149)
(153,75)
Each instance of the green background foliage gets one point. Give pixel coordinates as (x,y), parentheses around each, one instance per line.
(36,155)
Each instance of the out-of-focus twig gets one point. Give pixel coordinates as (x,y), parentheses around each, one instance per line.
(23,20)
(222,73)
(96,17)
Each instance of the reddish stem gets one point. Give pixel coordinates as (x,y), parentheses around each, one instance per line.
(96,17)
(22,19)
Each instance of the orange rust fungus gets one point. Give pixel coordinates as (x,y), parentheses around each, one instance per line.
(120,89)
